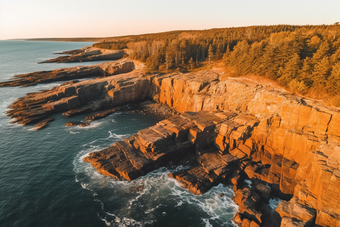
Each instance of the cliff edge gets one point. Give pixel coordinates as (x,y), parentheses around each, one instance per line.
(231,129)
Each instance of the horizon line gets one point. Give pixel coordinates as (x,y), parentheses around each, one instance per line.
(183,30)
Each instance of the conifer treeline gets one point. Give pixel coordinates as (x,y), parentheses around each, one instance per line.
(302,58)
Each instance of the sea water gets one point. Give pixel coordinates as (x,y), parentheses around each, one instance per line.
(44,181)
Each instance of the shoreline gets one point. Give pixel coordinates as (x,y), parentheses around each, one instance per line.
(65,39)
(240,130)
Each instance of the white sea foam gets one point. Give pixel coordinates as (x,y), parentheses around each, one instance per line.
(151,209)
(211,203)
(9,124)
(180,203)
(123,222)
(9,76)
(156,192)
(274,202)
(248,183)
(92,125)
(117,136)
(30,128)
(77,129)
(83,185)
(7,102)
(73,132)
(78,162)
(4,120)
(122,202)
(207,223)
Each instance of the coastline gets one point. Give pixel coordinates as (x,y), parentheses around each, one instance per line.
(260,128)
(86,39)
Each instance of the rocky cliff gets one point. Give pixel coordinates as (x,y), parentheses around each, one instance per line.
(228,129)
(294,146)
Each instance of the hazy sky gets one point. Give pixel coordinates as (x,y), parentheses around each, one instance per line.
(102,18)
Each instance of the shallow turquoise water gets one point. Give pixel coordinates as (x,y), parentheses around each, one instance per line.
(44,182)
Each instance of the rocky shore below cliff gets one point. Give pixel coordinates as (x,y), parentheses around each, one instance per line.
(229,130)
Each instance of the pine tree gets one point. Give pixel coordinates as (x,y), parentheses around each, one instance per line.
(336,56)
(321,71)
(256,53)
(333,82)
(245,60)
(268,65)
(314,43)
(290,70)
(322,52)
(305,74)
(210,53)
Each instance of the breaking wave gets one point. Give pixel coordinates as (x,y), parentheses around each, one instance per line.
(154,199)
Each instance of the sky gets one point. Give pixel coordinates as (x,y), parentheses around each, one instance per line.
(106,18)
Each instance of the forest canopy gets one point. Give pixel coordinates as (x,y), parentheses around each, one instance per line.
(304,59)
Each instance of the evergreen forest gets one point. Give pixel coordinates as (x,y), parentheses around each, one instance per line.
(303,59)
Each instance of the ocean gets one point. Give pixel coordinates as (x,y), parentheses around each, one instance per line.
(44,182)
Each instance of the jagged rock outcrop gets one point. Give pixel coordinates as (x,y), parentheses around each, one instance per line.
(77,51)
(235,129)
(90,118)
(81,97)
(72,73)
(42,124)
(139,154)
(87,54)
